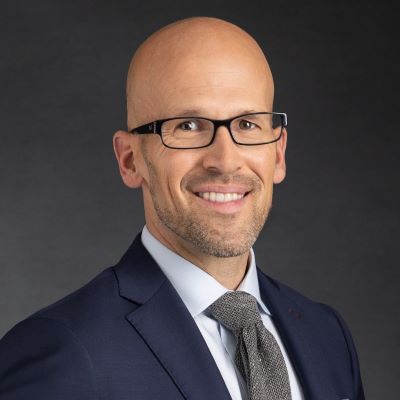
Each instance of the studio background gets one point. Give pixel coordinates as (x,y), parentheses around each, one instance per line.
(333,230)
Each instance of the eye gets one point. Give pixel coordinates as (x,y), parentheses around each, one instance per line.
(188,125)
(246,125)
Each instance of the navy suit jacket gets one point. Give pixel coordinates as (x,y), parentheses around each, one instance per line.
(127,335)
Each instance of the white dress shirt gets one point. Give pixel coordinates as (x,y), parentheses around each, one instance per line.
(198,291)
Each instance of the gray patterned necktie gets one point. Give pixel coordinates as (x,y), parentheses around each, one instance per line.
(258,356)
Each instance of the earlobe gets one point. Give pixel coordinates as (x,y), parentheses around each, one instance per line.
(280,164)
(124,152)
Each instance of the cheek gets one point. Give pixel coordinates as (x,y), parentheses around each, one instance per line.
(172,166)
(262,162)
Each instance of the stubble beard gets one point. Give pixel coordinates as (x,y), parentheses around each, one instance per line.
(223,242)
(217,239)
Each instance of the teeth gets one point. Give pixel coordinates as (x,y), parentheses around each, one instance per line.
(221,197)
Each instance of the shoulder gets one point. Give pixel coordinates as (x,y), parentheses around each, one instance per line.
(323,317)
(43,355)
(83,310)
(50,350)
(90,299)
(280,289)
(66,313)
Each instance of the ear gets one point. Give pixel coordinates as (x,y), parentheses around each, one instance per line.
(280,163)
(124,149)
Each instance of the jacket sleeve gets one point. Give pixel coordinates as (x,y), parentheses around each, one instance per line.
(40,358)
(357,383)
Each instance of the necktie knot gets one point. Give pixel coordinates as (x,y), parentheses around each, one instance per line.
(236,310)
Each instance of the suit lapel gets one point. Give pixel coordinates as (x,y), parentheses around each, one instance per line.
(300,340)
(165,324)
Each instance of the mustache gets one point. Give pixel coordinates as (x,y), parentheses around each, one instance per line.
(249,182)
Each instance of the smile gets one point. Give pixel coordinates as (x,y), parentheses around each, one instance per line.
(219,197)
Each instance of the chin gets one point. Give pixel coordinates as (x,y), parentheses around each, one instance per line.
(222,246)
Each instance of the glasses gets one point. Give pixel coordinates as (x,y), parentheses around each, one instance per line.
(197,132)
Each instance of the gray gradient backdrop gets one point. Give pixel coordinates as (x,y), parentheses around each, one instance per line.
(333,231)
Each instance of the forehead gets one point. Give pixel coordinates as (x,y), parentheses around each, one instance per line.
(212,87)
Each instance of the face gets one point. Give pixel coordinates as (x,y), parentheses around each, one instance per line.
(214,199)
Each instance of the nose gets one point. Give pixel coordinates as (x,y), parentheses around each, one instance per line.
(223,155)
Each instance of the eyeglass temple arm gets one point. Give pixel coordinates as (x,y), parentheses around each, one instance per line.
(284,118)
(152,127)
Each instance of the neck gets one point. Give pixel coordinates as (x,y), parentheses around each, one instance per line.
(228,271)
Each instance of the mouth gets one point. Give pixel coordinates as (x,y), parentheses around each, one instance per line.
(221,197)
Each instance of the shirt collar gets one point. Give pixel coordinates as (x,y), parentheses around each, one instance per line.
(196,287)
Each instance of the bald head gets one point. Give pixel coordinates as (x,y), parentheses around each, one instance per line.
(189,62)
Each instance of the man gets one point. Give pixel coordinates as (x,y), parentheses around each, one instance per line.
(186,314)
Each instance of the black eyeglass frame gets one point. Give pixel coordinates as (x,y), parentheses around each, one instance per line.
(154,127)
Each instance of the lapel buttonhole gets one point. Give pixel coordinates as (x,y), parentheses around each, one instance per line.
(297,315)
